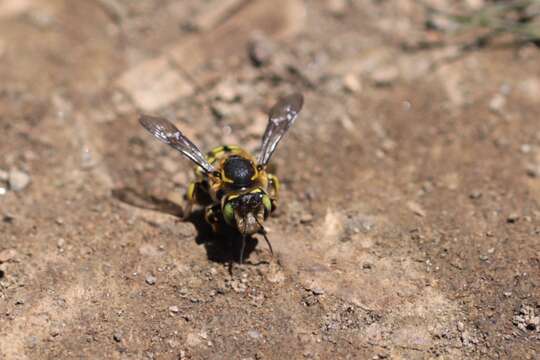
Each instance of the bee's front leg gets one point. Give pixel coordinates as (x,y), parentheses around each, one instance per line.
(191,196)
(273,190)
(212,215)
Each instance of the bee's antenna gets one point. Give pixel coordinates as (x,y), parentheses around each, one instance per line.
(243,242)
(242,249)
(263,231)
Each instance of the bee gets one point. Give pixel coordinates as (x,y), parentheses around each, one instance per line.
(234,186)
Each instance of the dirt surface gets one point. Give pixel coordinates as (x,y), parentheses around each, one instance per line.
(409,220)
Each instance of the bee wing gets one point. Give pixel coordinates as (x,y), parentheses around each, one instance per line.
(165,131)
(281,116)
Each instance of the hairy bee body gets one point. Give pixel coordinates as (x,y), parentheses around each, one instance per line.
(232,184)
(239,175)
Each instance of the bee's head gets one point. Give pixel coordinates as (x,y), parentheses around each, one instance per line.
(247,211)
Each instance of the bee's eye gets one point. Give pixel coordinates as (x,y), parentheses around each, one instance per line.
(267,203)
(228,213)
(216,174)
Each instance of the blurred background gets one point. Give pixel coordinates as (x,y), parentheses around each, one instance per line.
(408,225)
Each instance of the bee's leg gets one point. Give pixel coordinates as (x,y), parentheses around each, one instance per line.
(273,190)
(211,215)
(194,188)
(263,232)
(196,194)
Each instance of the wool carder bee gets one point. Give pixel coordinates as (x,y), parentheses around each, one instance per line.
(232,184)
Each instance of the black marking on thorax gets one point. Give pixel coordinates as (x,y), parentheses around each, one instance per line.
(239,170)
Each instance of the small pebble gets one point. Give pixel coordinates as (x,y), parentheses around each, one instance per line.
(150,279)
(117,336)
(416,208)
(306,218)
(254,334)
(525,148)
(317,291)
(174,309)
(260,50)
(533,170)
(512,218)
(497,103)
(475,195)
(385,75)
(352,83)
(8,218)
(18,180)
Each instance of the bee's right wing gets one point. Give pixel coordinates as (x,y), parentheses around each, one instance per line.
(165,131)
(281,116)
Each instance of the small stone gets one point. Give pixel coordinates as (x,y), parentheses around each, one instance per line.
(260,50)
(238,286)
(441,23)
(18,180)
(306,218)
(317,291)
(254,334)
(416,208)
(117,336)
(525,148)
(351,83)
(4,175)
(221,110)
(497,103)
(227,91)
(527,319)
(385,75)
(475,195)
(8,254)
(174,309)
(150,279)
(507,293)
(484,257)
(60,243)
(533,170)
(512,218)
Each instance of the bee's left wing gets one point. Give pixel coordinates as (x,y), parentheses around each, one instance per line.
(165,131)
(281,116)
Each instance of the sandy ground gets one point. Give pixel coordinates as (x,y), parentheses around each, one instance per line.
(409,221)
